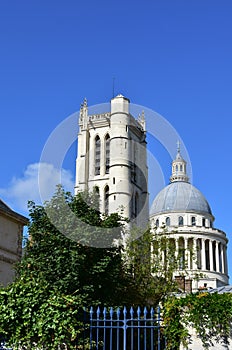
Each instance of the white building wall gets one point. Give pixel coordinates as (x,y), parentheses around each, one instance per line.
(196,343)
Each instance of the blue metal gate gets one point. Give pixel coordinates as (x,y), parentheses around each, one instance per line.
(126,329)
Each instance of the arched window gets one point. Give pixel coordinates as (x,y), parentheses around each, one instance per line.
(176,168)
(97,155)
(107,153)
(193,221)
(157,223)
(181,167)
(167,221)
(106,198)
(180,221)
(97,196)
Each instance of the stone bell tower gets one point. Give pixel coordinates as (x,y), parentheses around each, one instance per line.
(112,158)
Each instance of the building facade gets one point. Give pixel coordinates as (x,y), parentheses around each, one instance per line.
(112,160)
(186,214)
(11,233)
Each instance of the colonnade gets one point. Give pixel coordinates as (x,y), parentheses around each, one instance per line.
(201,254)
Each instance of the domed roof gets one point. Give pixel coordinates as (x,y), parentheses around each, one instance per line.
(180,196)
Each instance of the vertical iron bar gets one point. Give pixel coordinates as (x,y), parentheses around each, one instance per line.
(124,328)
(97,336)
(158,314)
(91,326)
(152,329)
(145,328)
(138,314)
(111,327)
(132,328)
(104,329)
(118,325)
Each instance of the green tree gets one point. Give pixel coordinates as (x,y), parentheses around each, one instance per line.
(58,275)
(151,262)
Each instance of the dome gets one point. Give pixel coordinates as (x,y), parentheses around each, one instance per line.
(180,196)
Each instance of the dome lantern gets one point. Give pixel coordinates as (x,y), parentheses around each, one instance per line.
(179,167)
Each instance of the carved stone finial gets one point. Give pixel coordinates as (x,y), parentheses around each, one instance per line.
(142,121)
(85,102)
(83,116)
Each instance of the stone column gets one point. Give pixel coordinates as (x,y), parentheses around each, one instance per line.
(195,253)
(210,255)
(217,257)
(226,263)
(186,254)
(203,262)
(223,257)
(177,248)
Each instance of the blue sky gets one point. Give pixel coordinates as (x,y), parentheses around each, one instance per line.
(174,57)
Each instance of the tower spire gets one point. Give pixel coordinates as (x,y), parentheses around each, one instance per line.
(179,167)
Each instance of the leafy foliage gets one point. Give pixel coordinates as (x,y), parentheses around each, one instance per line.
(152,261)
(58,276)
(210,314)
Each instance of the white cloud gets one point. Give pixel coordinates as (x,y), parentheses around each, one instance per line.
(37,183)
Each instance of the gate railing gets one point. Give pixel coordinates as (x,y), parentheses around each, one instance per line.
(126,329)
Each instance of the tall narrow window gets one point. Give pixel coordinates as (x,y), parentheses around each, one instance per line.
(97,155)
(157,223)
(203,222)
(193,221)
(107,150)
(181,221)
(97,196)
(107,200)
(167,221)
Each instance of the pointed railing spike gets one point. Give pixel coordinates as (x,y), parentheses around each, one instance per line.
(138,312)
(104,313)
(124,311)
(111,313)
(91,313)
(98,312)
(131,312)
(118,313)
